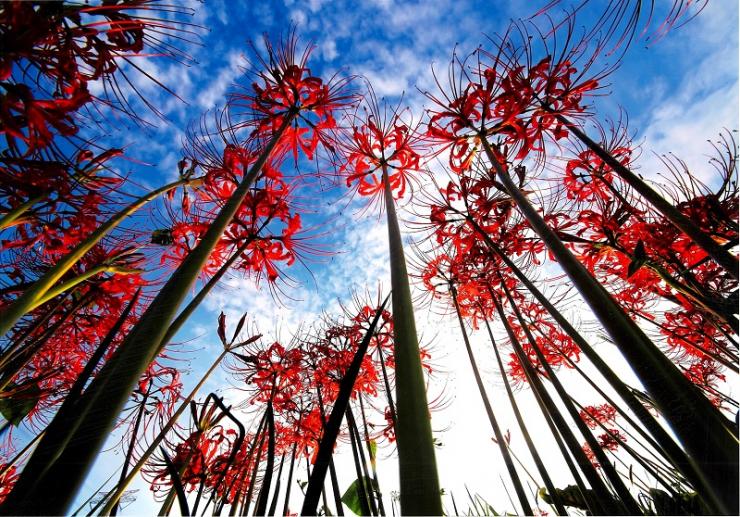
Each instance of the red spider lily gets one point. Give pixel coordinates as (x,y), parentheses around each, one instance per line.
(705,374)
(611,440)
(163,386)
(334,357)
(375,148)
(276,374)
(195,458)
(594,415)
(304,431)
(32,121)
(7,480)
(285,86)
(650,257)
(263,233)
(389,430)
(68,46)
(383,144)
(608,441)
(504,100)
(54,355)
(594,180)
(52,346)
(691,333)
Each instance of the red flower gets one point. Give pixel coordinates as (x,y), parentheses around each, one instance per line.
(380,144)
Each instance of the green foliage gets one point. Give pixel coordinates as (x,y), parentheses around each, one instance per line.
(480,506)
(573,497)
(353,499)
(679,504)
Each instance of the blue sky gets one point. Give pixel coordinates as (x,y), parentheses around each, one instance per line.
(678,93)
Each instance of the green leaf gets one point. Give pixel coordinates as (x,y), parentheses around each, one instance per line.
(352,497)
(14,409)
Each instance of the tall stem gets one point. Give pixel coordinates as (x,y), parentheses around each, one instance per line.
(36,292)
(687,466)
(331,427)
(288,485)
(132,444)
(131,475)
(523,427)
(371,455)
(11,217)
(332,469)
(361,486)
(626,497)
(419,484)
(707,435)
(261,506)
(65,468)
(551,411)
(526,508)
(365,478)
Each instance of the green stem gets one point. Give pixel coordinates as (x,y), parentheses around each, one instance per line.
(273,503)
(707,435)
(333,424)
(110,390)
(616,481)
(13,215)
(361,485)
(418,481)
(132,445)
(261,505)
(288,485)
(687,466)
(193,304)
(122,485)
(32,296)
(513,474)
(365,478)
(371,455)
(557,423)
(523,427)
(74,282)
(332,469)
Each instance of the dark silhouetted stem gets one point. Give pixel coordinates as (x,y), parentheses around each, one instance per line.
(708,436)
(521,494)
(331,429)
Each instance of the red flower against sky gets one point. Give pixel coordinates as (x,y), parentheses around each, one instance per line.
(588,177)
(595,415)
(503,102)
(382,143)
(64,48)
(285,86)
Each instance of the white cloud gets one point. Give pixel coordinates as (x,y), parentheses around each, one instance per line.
(706,100)
(215,93)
